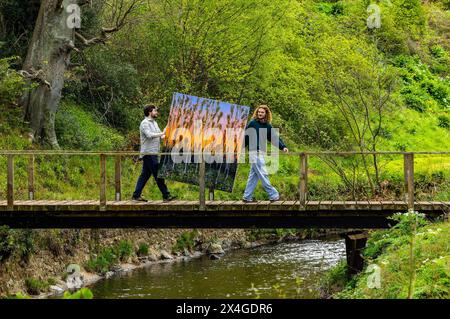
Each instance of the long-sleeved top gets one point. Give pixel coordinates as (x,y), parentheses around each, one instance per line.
(150,136)
(265,130)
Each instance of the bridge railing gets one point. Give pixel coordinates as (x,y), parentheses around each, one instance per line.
(302,158)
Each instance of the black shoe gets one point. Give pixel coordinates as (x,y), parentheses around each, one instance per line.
(169,198)
(249,201)
(139,199)
(274,200)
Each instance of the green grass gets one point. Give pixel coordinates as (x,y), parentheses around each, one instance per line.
(35,286)
(109,257)
(79,129)
(391,251)
(142,250)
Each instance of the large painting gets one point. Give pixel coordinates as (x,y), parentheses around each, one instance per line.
(213,128)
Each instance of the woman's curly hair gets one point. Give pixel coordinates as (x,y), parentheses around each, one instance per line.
(268,118)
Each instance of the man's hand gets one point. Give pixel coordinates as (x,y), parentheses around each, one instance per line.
(285,150)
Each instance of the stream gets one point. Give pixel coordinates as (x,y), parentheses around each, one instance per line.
(284,270)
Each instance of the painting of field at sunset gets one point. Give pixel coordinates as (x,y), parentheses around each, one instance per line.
(208,126)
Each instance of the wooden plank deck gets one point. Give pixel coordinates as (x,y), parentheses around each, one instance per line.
(217,214)
(184,205)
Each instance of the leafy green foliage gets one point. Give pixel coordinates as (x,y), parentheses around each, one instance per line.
(78,129)
(336,8)
(412,242)
(444,121)
(185,241)
(423,90)
(18,296)
(142,249)
(6,243)
(103,262)
(35,286)
(11,83)
(335,279)
(83,293)
(124,250)
(109,257)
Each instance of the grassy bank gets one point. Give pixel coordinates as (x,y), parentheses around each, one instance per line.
(412,259)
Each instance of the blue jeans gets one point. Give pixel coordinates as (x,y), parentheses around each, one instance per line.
(150,167)
(258,172)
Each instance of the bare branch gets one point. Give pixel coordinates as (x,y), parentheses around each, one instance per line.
(104,34)
(34,75)
(86,42)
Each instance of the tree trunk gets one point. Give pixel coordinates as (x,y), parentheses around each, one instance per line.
(48,55)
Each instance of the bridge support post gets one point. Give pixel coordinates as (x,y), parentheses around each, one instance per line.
(201,183)
(31,178)
(102,182)
(303,187)
(10,183)
(354,244)
(409,179)
(118,174)
(211,193)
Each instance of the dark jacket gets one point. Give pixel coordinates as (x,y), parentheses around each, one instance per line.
(260,127)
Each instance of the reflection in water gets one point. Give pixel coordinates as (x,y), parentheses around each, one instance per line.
(233,275)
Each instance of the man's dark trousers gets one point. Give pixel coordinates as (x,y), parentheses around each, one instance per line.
(150,167)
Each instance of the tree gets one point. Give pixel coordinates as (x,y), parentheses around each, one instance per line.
(54,39)
(360,85)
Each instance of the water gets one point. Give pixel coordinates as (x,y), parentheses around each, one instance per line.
(268,272)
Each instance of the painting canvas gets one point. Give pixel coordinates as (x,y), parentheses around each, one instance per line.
(204,125)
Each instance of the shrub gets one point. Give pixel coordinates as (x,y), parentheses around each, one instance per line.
(124,250)
(35,286)
(6,243)
(444,121)
(25,244)
(185,241)
(11,83)
(335,279)
(109,256)
(142,250)
(334,9)
(415,102)
(83,293)
(103,262)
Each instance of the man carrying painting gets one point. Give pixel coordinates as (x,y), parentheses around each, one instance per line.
(261,130)
(150,135)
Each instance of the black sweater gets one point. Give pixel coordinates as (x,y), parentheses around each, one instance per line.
(259,127)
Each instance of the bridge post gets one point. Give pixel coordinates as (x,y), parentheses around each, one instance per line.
(354,244)
(201,183)
(10,183)
(118,175)
(409,179)
(102,182)
(303,187)
(211,193)
(31,178)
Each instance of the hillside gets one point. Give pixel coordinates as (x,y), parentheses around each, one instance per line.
(322,70)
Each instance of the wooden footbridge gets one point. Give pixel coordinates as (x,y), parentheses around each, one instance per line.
(301,213)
